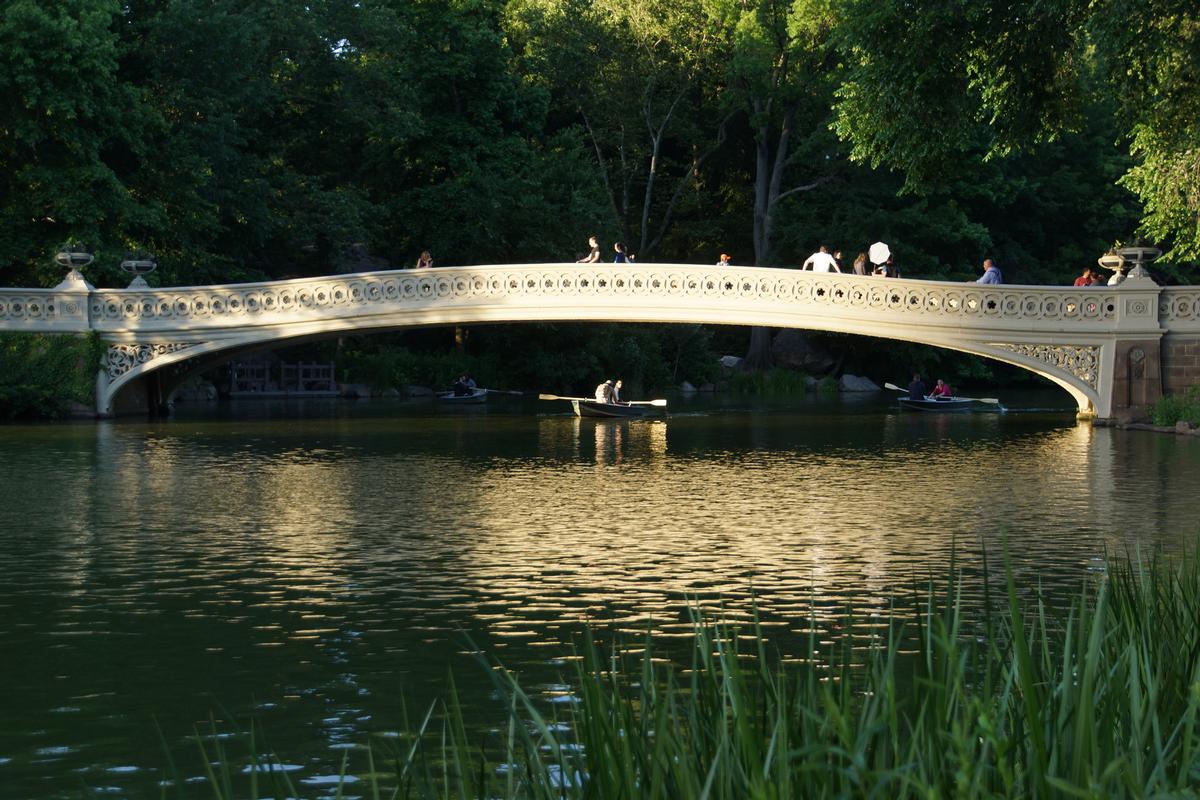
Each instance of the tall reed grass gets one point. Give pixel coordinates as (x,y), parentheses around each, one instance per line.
(1099,700)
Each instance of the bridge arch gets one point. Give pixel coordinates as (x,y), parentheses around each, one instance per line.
(1066,335)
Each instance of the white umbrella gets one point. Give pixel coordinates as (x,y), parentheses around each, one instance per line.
(879,253)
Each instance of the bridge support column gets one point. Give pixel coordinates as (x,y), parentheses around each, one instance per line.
(1137,382)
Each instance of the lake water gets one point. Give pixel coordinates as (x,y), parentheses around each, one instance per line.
(312,565)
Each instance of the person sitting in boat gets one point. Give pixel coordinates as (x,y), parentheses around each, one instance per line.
(464,386)
(941,391)
(616,392)
(604,392)
(916,389)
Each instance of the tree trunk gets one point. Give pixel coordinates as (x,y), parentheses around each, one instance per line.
(758,356)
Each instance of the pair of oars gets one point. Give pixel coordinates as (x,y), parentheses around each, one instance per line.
(659,403)
(993,400)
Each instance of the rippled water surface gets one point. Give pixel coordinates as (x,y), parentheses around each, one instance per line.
(309,566)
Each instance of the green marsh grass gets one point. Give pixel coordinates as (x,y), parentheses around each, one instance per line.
(1099,700)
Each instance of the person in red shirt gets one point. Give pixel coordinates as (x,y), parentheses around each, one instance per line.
(1088,278)
(941,390)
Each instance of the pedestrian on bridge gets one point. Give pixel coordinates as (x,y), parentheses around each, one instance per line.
(821,261)
(860,264)
(991,273)
(425,260)
(594,255)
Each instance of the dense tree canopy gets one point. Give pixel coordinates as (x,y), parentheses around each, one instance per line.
(929,86)
(240,140)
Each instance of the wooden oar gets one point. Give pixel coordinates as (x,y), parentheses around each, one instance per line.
(659,403)
(992,400)
(502,391)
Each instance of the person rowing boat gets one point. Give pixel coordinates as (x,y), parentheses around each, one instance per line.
(610,392)
(916,400)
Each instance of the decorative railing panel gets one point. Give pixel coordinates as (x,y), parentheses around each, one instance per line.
(1179,309)
(43,310)
(386,292)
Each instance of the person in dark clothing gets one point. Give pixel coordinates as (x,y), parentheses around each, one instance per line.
(620,257)
(464,386)
(916,389)
(593,256)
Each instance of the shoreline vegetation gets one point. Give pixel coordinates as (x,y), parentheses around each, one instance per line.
(1097,700)
(47,376)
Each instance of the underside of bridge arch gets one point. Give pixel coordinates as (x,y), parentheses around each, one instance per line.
(180,360)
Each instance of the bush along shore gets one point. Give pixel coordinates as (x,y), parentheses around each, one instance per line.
(1099,700)
(48,376)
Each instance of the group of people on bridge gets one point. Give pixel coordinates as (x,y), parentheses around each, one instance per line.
(877,260)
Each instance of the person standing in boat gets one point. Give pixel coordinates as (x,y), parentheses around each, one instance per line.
(604,392)
(916,389)
(942,389)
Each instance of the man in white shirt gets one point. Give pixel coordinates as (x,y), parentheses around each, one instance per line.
(821,261)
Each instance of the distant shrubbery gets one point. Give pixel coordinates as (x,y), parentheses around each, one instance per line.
(1174,408)
(549,357)
(775,381)
(41,374)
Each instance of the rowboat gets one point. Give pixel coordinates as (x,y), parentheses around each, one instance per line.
(476,396)
(596,408)
(937,404)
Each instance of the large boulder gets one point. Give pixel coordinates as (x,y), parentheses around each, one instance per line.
(856,383)
(793,349)
(730,362)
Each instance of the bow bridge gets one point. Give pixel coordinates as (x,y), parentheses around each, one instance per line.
(1112,348)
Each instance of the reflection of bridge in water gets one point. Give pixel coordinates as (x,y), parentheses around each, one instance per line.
(1111,348)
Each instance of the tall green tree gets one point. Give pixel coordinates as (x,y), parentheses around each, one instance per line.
(639,77)
(928,83)
(67,124)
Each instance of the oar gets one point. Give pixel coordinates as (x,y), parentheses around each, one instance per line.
(659,403)
(558,397)
(992,400)
(502,391)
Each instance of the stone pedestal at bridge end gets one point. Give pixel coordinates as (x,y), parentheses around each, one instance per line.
(1137,378)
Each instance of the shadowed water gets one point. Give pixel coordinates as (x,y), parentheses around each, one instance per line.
(311,565)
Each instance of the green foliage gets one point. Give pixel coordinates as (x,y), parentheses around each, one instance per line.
(976,78)
(41,374)
(769,382)
(1174,408)
(565,358)
(1099,701)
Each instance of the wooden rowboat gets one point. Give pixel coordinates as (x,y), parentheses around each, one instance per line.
(937,404)
(476,396)
(595,408)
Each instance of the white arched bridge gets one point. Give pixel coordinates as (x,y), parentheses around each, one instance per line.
(1105,345)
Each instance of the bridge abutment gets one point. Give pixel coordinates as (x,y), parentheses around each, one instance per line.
(1137,377)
